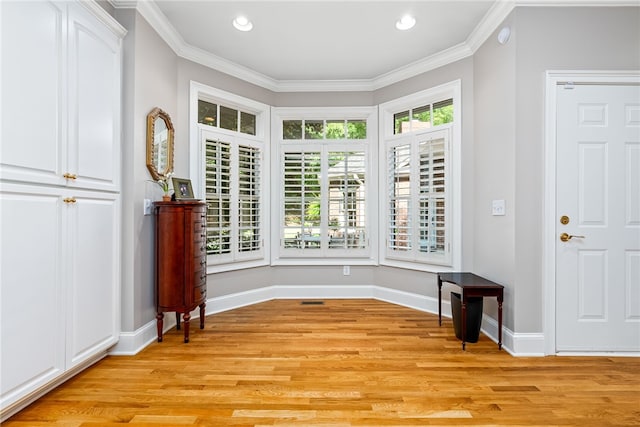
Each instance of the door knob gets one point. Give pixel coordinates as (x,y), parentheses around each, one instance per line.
(565,237)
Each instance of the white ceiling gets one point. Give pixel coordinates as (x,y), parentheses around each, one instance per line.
(344,45)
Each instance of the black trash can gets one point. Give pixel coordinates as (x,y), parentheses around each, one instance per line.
(474,317)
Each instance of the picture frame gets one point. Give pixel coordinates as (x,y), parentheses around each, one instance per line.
(182,189)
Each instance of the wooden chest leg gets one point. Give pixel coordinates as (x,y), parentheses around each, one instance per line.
(159,325)
(186,317)
(202,315)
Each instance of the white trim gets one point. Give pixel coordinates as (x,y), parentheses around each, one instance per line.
(386,137)
(523,344)
(489,23)
(366,256)
(8,411)
(262,111)
(197,160)
(552,79)
(577,3)
(131,343)
(513,343)
(104,17)
(158,21)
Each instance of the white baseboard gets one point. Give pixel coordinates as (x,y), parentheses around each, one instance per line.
(131,343)
(8,411)
(517,344)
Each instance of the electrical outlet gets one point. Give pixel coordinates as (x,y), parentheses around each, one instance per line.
(346,270)
(497,208)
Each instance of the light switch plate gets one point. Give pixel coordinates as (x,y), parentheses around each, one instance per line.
(147,206)
(497,208)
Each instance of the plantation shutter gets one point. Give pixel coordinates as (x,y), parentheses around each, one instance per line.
(399,233)
(346,198)
(218,197)
(432,195)
(249,207)
(302,193)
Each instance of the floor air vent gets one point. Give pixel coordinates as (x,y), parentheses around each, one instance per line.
(312,302)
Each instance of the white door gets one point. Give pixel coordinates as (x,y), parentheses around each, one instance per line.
(94,107)
(598,207)
(33,131)
(32,307)
(92,230)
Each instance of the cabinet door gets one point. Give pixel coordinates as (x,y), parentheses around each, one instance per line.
(94,102)
(60,95)
(31,290)
(92,229)
(33,91)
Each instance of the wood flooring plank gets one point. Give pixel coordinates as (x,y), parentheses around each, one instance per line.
(345,363)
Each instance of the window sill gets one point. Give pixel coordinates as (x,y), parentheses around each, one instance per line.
(324,261)
(418,266)
(233,266)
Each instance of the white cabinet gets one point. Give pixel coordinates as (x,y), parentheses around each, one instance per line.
(60,281)
(60,96)
(91,242)
(60,236)
(32,292)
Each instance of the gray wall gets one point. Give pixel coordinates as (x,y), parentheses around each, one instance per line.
(149,80)
(509,135)
(502,146)
(573,39)
(494,166)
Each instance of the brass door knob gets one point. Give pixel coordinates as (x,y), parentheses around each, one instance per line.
(565,237)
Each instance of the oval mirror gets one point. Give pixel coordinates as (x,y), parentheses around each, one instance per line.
(159,144)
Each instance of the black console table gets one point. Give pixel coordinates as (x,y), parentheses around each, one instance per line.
(472,286)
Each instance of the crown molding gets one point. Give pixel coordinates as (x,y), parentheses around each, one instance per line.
(493,18)
(577,3)
(218,63)
(97,11)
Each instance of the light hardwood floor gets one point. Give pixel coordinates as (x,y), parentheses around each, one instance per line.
(344,363)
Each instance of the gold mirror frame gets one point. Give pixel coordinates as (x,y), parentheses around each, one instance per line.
(159,144)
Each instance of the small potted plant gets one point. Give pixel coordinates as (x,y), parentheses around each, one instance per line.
(163,182)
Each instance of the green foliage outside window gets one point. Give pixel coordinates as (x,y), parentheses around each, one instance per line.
(442,114)
(313,129)
(356,129)
(412,120)
(324,129)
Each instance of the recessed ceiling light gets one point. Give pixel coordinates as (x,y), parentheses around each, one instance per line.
(406,22)
(242,23)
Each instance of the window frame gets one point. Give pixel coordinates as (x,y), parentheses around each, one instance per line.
(197,167)
(413,259)
(325,255)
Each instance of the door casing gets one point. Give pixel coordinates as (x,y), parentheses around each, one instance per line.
(552,79)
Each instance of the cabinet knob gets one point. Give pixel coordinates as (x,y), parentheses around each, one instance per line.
(70,176)
(69,200)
